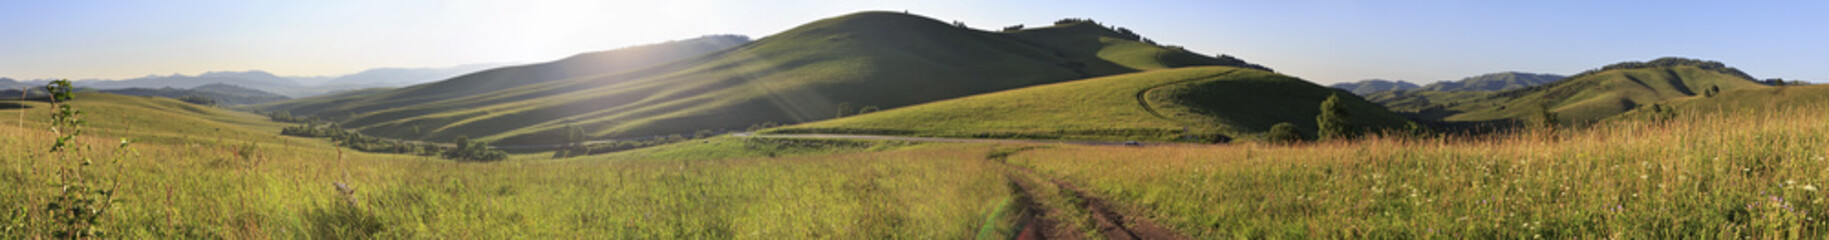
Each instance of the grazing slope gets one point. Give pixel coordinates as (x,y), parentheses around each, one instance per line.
(805,74)
(1214,103)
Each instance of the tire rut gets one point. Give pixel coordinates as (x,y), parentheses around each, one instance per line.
(1110,223)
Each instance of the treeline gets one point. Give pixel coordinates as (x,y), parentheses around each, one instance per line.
(465,149)
(579,143)
(287,117)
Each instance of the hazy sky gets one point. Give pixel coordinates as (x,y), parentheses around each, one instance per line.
(1322,41)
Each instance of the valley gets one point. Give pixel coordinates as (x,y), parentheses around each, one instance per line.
(893,125)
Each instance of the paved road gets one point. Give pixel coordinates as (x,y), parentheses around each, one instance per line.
(930,139)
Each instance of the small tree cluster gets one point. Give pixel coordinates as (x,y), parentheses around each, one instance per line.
(287,117)
(1066,21)
(359,141)
(199,100)
(1017,27)
(474,150)
(576,140)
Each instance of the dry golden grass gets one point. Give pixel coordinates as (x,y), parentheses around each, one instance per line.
(1749,173)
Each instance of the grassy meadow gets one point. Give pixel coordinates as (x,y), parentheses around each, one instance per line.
(1756,172)
(210,173)
(200,172)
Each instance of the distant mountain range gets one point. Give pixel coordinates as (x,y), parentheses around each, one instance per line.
(1485,82)
(1370,86)
(268,82)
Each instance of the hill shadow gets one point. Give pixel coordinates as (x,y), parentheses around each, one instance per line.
(13,105)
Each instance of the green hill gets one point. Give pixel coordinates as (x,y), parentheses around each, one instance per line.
(809,73)
(156,119)
(1213,103)
(1585,97)
(596,63)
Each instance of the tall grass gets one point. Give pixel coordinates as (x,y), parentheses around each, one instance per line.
(1756,173)
(239,180)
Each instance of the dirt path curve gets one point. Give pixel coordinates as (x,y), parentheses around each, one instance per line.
(1143,96)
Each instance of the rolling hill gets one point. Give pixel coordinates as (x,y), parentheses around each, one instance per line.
(223,94)
(1369,86)
(808,73)
(595,63)
(1212,103)
(1585,97)
(1494,82)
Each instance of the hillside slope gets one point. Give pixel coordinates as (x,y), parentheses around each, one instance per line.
(587,64)
(1585,97)
(809,73)
(1212,103)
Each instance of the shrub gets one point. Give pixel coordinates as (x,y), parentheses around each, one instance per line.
(1283,132)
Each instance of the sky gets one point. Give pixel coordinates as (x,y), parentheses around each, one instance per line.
(1321,41)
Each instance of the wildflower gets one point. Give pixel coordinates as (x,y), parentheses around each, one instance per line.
(1809,187)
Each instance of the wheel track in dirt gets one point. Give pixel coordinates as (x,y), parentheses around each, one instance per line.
(1111,223)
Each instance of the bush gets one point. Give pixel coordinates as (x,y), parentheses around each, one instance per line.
(1283,132)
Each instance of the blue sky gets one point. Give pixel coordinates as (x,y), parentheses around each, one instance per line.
(1322,41)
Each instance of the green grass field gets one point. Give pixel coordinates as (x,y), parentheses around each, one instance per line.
(1136,107)
(196,172)
(1152,105)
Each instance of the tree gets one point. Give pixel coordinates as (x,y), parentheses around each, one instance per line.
(1332,122)
(842,108)
(1017,27)
(1547,118)
(463,143)
(1283,132)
